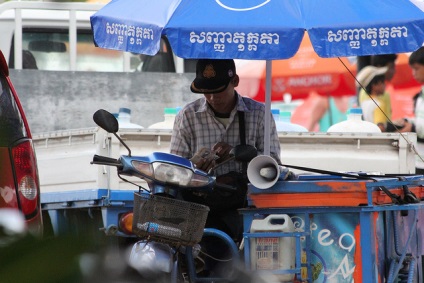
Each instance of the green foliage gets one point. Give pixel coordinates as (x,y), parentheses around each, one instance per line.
(37,260)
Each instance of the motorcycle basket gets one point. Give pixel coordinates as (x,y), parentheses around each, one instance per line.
(168,220)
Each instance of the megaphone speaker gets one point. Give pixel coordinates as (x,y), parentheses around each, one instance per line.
(263,171)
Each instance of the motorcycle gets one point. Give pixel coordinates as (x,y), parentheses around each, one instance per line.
(169,228)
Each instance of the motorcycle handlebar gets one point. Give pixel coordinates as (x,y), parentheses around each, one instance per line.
(103,160)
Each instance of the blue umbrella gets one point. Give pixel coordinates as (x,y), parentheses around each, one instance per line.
(242,30)
(260,29)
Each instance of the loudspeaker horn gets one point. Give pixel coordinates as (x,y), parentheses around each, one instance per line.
(263,171)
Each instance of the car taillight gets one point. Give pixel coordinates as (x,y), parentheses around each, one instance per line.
(26,177)
(125,223)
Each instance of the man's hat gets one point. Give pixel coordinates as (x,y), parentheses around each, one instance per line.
(368,73)
(213,75)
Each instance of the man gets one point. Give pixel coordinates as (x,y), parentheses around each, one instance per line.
(206,130)
(212,123)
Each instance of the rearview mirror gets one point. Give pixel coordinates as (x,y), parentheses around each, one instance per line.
(47,46)
(106,121)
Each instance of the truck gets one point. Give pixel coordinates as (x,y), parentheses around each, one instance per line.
(70,183)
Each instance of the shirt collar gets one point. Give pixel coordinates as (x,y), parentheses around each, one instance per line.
(241,106)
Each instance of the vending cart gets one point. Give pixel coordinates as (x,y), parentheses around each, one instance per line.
(337,228)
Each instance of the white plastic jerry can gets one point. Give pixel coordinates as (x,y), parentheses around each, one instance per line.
(273,253)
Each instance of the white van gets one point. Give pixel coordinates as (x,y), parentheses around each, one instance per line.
(58,37)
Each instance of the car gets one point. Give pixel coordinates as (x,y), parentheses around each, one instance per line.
(19,182)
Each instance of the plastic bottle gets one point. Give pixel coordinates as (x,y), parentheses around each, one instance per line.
(276,114)
(168,122)
(124,119)
(283,123)
(354,123)
(159,229)
(273,253)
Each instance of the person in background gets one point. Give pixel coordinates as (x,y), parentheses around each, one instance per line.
(28,60)
(373,81)
(207,129)
(386,60)
(416,62)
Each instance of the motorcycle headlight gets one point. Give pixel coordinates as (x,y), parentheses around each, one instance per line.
(171,174)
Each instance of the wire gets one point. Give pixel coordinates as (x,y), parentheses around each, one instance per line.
(214,258)
(412,147)
(140,187)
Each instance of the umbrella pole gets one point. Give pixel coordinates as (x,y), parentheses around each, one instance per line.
(267,130)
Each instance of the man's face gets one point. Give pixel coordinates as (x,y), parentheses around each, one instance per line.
(224,101)
(221,102)
(418,72)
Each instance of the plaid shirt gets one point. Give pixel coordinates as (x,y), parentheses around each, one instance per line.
(195,127)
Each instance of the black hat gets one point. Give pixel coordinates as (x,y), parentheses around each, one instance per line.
(213,75)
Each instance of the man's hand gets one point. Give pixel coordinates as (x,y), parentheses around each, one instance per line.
(399,122)
(407,127)
(204,159)
(222,149)
(403,124)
